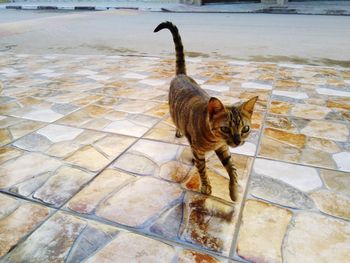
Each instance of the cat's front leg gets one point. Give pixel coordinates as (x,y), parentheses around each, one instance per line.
(199,161)
(225,157)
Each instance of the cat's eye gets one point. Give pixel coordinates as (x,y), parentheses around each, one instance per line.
(225,129)
(245,129)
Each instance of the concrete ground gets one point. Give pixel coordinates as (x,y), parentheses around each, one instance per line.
(320,40)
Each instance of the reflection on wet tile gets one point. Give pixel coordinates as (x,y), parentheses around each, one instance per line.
(207,223)
(194,256)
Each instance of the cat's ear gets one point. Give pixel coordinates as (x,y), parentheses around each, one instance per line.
(215,106)
(248,106)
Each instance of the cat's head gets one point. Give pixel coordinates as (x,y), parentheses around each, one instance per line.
(231,123)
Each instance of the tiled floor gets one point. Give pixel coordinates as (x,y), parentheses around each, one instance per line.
(90,169)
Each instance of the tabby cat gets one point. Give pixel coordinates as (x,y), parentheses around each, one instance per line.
(207,123)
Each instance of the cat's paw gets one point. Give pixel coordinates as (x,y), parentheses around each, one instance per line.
(206,189)
(178,134)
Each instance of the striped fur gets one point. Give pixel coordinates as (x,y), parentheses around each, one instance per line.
(207,124)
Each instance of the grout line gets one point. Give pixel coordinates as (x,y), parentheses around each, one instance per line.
(244,199)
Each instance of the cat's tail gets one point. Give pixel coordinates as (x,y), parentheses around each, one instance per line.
(180,57)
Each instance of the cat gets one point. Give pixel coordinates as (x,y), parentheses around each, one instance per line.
(205,121)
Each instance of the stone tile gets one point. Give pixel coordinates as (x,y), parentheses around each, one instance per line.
(281,123)
(342,160)
(100,188)
(262,222)
(124,207)
(332,203)
(295,140)
(168,225)
(323,145)
(113,145)
(29,186)
(309,111)
(326,130)
(58,133)
(136,163)
(135,126)
(301,177)
(50,242)
(280,107)
(290,94)
(333,92)
(92,238)
(129,247)
(317,158)
(19,223)
(26,167)
(247,148)
(280,193)
(88,157)
(33,142)
(164,131)
(62,185)
(336,181)
(135,106)
(5,137)
(7,205)
(145,156)
(208,223)
(14,128)
(339,103)
(321,245)
(273,149)
(45,115)
(255,85)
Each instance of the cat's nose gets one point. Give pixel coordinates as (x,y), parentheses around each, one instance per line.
(237,139)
